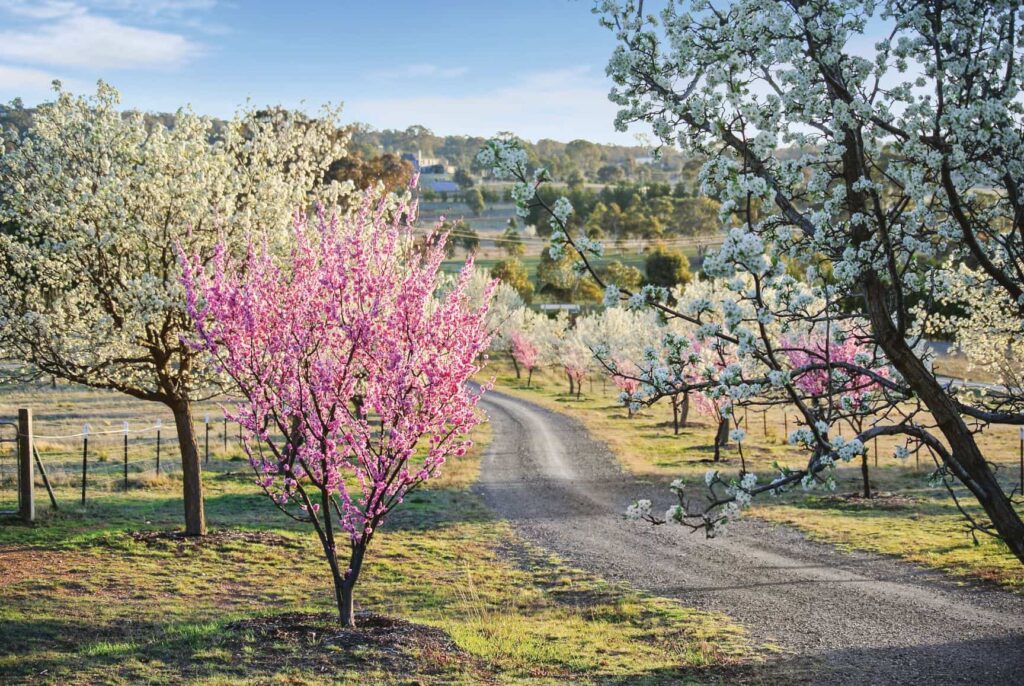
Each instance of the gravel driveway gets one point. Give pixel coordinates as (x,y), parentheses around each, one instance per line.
(850,618)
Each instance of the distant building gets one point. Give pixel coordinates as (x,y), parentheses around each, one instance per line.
(441,186)
(433,169)
(427,165)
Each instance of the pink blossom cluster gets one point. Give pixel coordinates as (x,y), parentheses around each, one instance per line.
(627,382)
(576,371)
(627,385)
(524,350)
(352,369)
(846,380)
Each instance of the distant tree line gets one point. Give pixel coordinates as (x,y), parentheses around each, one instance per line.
(557,280)
(634,210)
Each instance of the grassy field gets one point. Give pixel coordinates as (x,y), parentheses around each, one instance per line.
(98,594)
(907,518)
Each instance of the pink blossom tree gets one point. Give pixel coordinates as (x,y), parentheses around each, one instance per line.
(352,371)
(717,409)
(834,379)
(629,387)
(577,374)
(524,354)
(575,358)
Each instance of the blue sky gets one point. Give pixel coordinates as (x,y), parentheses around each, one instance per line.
(535,67)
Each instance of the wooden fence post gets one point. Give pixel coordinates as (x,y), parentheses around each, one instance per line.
(26,476)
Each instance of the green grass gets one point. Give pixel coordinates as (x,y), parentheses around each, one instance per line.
(909,519)
(87,596)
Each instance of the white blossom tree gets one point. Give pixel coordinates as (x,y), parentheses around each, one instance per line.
(95,204)
(990,341)
(855,187)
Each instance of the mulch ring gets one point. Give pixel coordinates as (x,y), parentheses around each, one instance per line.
(318,641)
(214,539)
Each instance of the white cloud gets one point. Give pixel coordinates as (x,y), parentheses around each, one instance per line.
(562,104)
(34,85)
(83,40)
(157,8)
(45,9)
(19,79)
(420,71)
(52,9)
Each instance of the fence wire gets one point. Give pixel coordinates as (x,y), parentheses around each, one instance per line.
(113,460)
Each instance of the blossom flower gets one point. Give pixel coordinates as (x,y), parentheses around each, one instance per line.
(352,370)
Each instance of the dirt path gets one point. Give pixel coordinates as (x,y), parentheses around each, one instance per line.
(858,618)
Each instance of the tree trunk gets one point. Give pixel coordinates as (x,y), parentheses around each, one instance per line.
(572,386)
(721,437)
(529,377)
(344,589)
(515,365)
(966,460)
(675,414)
(864,474)
(191,469)
(344,582)
(684,410)
(346,606)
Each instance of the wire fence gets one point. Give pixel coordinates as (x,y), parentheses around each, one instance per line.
(91,463)
(8,476)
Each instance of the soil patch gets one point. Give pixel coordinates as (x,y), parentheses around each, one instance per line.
(214,539)
(318,641)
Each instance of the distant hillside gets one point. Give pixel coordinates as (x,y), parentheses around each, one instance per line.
(577,160)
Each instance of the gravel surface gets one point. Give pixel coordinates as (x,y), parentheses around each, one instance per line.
(849,618)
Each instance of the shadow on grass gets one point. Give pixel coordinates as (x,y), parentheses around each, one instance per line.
(878,506)
(54,651)
(49,650)
(129,651)
(152,509)
(431,507)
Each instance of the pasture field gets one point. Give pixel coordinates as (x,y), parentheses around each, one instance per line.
(105,592)
(907,518)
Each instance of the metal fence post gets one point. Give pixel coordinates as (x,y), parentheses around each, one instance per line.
(26,476)
(158,425)
(85,453)
(126,456)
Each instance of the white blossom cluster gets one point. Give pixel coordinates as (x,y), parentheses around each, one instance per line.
(95,284)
